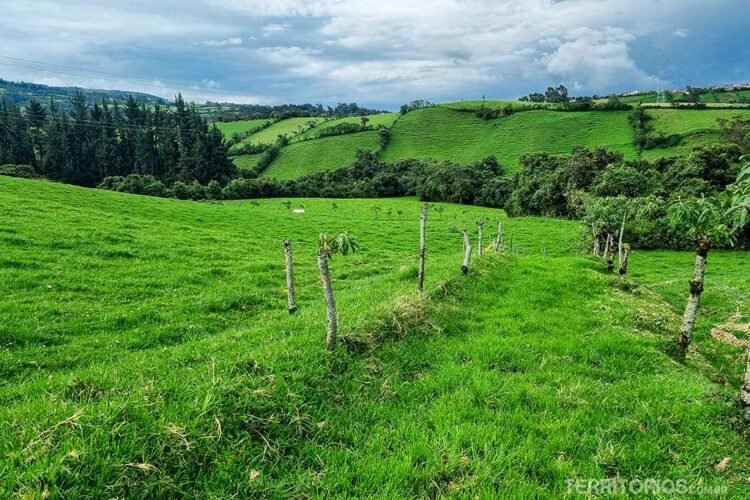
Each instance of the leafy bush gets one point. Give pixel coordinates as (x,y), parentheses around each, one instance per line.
(136,184)
(23,171)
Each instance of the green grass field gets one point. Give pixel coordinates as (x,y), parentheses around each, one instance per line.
(676,121)
(489,104)
(726,97)
(326,153)
(147,352)
(289,127)
(246,162)
(443,134)
(231,128)
(375,121)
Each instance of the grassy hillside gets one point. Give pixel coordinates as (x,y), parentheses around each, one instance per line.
(147,351)
(231,128)
(676,121)
(698,127)
(246,162)
(326,153)
(289,127)
(489,104)
(21,93)
(443,134)
(375,121)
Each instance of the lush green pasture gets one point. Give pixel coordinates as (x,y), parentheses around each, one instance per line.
(444,134)
(289,127)
(231,128)
(317,155)
(246,162)
(687,121)
(375,121)
(636,99)
(490,104)
(726,300)
(726,97)
(147,351)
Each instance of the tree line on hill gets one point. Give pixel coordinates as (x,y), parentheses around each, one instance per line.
(568,186)
(22,93)
(86,144)
(233,112)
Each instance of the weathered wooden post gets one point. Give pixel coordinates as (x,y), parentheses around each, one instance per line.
(325,278)
(596,240)
(745,390)
(619,241)
(623,267)
(422,227)
(290,294)
(467,252)
(607,245)
(480,236)
(499,244)
(696,289)
(611,255)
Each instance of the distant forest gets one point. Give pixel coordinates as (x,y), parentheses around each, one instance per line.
(85,143)
(22,93)
(223,112)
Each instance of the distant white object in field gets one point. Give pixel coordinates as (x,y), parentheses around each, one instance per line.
(299,210)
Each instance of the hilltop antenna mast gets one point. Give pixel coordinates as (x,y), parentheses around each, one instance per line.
(660,95)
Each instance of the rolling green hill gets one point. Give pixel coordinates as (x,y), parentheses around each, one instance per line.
(375,121)
(246,162)
(677,121)
(289,127)
(443,134)
(452,132)
(21,93)
(147,352)
(326,153)
(231,128)
(490,104)
(698,127)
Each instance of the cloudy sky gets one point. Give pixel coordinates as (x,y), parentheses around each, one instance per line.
(378,53)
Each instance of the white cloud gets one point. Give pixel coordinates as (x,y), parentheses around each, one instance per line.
(681,33)
(596,59)
(271,29)
(222,43)
(359,49)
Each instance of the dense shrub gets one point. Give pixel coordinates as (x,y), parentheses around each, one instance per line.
(23,171)
(136,184)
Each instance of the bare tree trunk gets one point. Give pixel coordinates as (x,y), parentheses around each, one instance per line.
(606,247)
(467,253)
(422,226)
(290,277)
(623,265)
(325,278)
(611,254)
(499,241)
(696,289)
(619,241)
(745,390)
(480,239)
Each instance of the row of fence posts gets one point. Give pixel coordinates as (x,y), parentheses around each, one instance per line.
(324,255)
